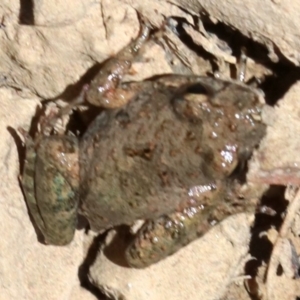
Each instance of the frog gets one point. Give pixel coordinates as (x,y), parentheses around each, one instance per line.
(163,150)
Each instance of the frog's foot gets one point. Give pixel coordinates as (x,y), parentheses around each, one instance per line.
(104,89)
(160,238)
(48,122)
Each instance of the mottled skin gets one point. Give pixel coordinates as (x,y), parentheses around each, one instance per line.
(165,156)
(50,183)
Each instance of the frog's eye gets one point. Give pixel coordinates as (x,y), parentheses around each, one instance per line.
(196,89)
(193,93)
(113,77)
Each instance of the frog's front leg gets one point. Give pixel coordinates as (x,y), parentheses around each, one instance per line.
(105,89)
(50,183)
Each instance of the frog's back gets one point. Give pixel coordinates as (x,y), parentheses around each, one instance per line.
(140,161)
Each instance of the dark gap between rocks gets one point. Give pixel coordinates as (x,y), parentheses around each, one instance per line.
(83,271)
(260,246)
(26,14)
(284,72)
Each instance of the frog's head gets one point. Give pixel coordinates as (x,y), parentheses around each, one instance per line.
(230,115)
(237,122)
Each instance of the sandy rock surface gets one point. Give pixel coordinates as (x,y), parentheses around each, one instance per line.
(283,129)
(195,272)
(50,50)
(272,23)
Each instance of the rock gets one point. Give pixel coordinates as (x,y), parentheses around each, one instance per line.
(201,270)
(281,166)
(271,24)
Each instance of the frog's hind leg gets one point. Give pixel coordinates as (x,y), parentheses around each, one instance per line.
(106,88)
(50,184)
(57,175)
(27,180)
(160,238)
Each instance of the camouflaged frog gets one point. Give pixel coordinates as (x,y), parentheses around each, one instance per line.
(165,153)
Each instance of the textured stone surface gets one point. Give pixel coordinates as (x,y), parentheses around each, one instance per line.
(277,160)
(201,270)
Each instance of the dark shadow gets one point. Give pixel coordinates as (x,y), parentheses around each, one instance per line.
(2,22)
(20,147)
(72,91)
(39,111)
(115,251)
(82,223)
(26,15)
(236,41)
(274,198)
(276,86)
(285,73)
(261,247)
(83,271)
(80,120)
